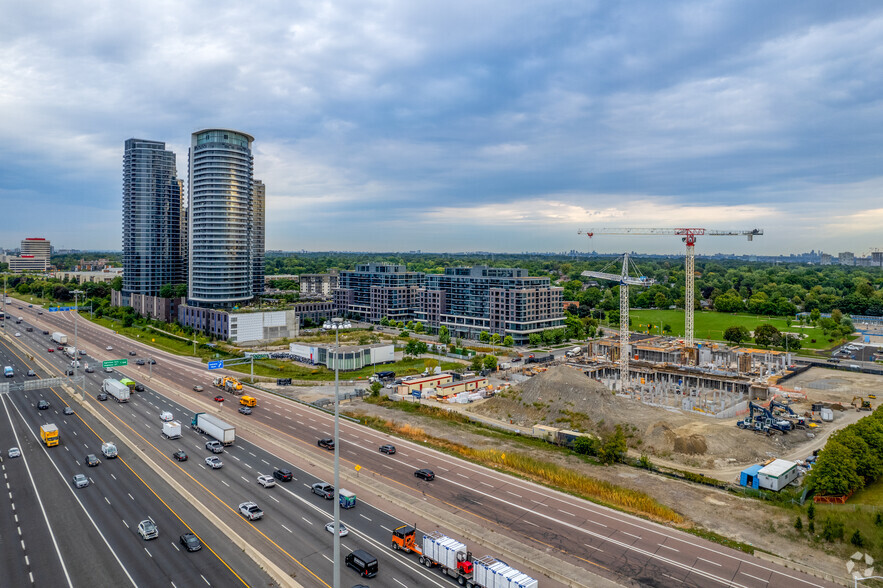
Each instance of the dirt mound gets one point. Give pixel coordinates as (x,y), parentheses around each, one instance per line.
(566,388)
(662,437)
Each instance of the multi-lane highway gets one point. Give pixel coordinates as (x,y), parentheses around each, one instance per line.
(595,538)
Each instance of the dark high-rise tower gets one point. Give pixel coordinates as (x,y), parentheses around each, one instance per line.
(220,219)
(152,235)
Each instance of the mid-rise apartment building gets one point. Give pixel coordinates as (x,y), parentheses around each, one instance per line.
(376,290)
(33,257)
(318,284)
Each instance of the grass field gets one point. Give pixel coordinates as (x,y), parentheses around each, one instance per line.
(711,325)
(872,494)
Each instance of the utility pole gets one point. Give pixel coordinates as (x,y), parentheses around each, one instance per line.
(76,360)
(336,322)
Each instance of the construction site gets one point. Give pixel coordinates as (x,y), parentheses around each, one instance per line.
(703,404)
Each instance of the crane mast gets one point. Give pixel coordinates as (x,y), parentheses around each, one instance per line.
(688,236)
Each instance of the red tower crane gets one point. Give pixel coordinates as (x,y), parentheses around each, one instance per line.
(688,236)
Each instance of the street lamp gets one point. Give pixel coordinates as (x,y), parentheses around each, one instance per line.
(336,322)
(76,360)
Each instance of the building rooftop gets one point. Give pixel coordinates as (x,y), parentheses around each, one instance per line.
(777,468)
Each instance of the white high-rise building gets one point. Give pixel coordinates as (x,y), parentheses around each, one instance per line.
(220,219)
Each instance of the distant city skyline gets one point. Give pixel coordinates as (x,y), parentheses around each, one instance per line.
(477,125)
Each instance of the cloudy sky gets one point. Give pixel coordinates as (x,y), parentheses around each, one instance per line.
(502,125)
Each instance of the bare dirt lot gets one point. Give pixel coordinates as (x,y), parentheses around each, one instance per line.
(565,397)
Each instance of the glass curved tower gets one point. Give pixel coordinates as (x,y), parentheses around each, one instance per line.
(221,174)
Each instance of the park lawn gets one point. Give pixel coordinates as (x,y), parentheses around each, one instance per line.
(35,300)
(711,325)
(872,494)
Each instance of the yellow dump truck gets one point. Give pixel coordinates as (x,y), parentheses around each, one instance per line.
(228,383)
(49,435)
(248,401)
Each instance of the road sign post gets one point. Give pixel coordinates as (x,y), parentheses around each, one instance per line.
(114,363)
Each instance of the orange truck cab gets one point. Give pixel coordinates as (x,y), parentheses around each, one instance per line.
(403,539)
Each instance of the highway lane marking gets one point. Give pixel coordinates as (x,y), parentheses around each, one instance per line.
(265,461)
(175,546)
(252,454)
(244,478)
(402,583)
(112,476)
(125,523)
(148,553)
(593,547)
(224,482)
(755,577)
(573,515)
(630,534)
(513,494)
(667,547)
(284,527)
(386,529)
(530,523)
(485,483)
(364,517)
(273,497)
(328,558)
(673,578)
(106,500)
(709,561)
(206,581)
(308,521)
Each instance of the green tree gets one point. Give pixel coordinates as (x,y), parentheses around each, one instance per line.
(814,315)
(495,339)
(835,472)
(614,448)
(798,523)
(508,341)
(444,336)
(836,316)
(166,291)
(477,362)
(490,362)
(792,342)
(811,511)
(857,539)
(117,283)
(586,446)
(385,322)
(660,301)
(375,388)
(418,327)
(736,334)
(181,291)
(535,339)
(767,334)
(484,337)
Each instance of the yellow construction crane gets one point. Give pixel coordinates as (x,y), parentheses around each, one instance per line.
(688,236)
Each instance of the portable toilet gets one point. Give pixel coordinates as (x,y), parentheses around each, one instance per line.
(748,477)
(347,498)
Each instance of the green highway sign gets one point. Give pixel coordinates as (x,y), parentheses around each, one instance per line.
(114,363)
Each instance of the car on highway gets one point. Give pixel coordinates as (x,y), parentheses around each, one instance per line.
(82,352)
(388,449)
(30,329)
(214,462)
(245,409)
(180,455)
(425,473)
(13,452)
(219,398)
(109,348)
(68,410)
(282,474)
(251,511)
(323,489)
(80,481)
(42,405)
(198,388)
(108,370)
(90,369)
(139,387)
(266,481)
(214,446)
(68,372)
(132,353)
(17,334)
(51,350)
(151,361)
(139,362)
(166,416)
(326,442)
(102,397)
(59,347)
(343,530)
(190,542)
(31,373)
(148,530)
(91,460)
(45,332)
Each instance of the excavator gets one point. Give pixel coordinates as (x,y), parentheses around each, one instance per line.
(762,420)
(862,404)
(797,421)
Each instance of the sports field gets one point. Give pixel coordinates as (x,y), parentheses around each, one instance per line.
(711,325)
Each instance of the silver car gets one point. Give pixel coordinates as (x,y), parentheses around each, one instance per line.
(214,462)
(14,452)
(80,481)
(266,481)
(148,530)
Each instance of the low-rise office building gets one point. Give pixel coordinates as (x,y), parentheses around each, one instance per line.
(244,326)
(352,357)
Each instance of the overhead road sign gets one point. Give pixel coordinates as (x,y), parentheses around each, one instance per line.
(114,363)
(216,365)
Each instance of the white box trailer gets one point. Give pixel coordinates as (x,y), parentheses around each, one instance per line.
(481,574)
(171,430)
(59,338)
(214,427)
(117,389)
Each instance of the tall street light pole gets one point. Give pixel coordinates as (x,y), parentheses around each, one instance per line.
(336,322)
(76,359)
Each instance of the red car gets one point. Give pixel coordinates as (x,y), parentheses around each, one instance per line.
(51,350)
(60,347)
(219,398)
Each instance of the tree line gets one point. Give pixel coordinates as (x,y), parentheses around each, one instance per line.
(851,459)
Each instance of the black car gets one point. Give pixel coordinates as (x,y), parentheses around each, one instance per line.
(180,455)
(132,353)
(139,387)
(30,329)
(151,361)
(102,397)
(388,449)
(425,474)
(68,372)
(327,443)
(139,362)
(282,475)
(91,460)
(42,405)
(190,542)
(45,332)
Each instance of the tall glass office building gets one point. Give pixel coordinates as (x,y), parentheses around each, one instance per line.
(152,210)
(220,218)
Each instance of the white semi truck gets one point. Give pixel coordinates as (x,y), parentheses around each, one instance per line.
(213,427)
(117,389)
(59,338)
